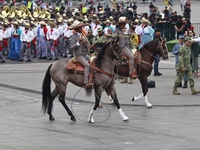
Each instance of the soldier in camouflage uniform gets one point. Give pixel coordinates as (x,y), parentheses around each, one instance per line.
(90,38)
(99,40)
(184,67)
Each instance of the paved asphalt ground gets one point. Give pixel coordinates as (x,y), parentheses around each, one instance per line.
(172,124)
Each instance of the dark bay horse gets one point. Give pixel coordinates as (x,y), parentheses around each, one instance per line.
(143,61)
(103,79)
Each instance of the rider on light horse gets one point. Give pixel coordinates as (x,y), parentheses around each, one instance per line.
(77,44)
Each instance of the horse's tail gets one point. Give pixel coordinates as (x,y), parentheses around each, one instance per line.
(46,90)
(88,92)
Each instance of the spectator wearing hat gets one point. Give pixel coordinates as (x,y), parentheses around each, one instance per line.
(184,67)
(157,58)
(175,52)
(60,41)
(52,41)
(15,42)
(6,38)
(33,27)
(145,32)
(99,40)
(1,45)
(107,23)
(67,34)
(27,37)
(95,25)
(90,38)
(42,42)
(86,21)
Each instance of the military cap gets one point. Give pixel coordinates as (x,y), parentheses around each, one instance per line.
(187,38)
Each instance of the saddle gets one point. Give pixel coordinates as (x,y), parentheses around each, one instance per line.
(75,67)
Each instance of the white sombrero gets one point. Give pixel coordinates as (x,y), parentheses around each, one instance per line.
(77,24)
(122,20)
(145,21)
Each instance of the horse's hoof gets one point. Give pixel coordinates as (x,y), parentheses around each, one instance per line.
(90,120)
(126,120)
(73,118)
(51,118)
(149,107)
(100,105)
(113,104)
(133,99)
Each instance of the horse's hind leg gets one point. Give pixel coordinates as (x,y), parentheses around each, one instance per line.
(62,100)
(53,96)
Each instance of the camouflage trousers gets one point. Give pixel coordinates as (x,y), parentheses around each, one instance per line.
(180,75)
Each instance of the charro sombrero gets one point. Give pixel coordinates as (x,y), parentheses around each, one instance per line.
(15,23)
(77,24)
(97,20)
(145,21)
(27,25)
(32,24)
(51,23)
(122,20)
(107,21)
(43,23)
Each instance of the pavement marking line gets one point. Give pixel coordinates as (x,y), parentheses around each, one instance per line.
(19,95)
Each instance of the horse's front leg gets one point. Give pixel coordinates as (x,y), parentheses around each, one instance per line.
(144,83)
(112,92)
(98,92)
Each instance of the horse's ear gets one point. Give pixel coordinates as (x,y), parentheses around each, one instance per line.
(115,41)
(160,39)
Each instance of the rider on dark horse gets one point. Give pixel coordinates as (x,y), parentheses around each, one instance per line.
(124,43)
(77,44)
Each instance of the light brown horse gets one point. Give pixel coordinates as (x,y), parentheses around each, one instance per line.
(103,79)
(143,61)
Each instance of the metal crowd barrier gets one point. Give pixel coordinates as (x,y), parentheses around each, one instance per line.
(168,31)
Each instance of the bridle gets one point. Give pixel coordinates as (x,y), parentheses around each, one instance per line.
(160,50)
(113,50)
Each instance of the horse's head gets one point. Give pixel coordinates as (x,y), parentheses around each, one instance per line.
(162,49)
(116,51)
(109,51)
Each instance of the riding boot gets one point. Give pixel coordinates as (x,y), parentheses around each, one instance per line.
(185,84)
(193,91)
(175,91)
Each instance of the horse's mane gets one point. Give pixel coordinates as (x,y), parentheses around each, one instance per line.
(100,55)
(151,43)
